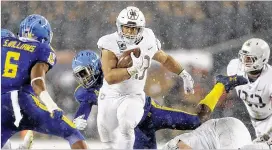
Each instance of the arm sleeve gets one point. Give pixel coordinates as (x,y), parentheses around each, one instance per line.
(169,118)
(46,54)
(107,42)
(84,109)
(232,67)
(158,44)
(86,100)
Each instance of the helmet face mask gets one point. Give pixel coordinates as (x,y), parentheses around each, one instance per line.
(130,24)
(254,55)
(247,60)
(130,31)
(86,67)
(85,76)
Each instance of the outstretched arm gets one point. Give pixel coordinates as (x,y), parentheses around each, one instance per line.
(169,118)
(84,109)
(206,106)
(82,114)
(172,65)
(224,83)
(168,62)
(38,84)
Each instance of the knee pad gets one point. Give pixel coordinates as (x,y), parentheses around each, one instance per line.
(104,134)
(127,128)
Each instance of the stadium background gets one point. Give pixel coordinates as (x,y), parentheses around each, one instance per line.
(203,36)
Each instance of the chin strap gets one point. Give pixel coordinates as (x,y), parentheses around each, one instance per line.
(256,72)
(253,75)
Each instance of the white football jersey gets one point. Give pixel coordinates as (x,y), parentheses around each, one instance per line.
(257,146)
(255,95)
(149,45)
(223,133)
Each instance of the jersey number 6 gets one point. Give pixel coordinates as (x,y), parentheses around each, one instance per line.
(10,70)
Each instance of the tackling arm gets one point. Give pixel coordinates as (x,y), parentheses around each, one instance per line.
(82,114)
(84,109)
(112,74)
(86,100)
(38,83)
(169,118)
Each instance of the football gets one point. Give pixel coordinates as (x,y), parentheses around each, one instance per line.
(125,60)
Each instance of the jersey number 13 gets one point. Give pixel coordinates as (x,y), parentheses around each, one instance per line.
(141,77)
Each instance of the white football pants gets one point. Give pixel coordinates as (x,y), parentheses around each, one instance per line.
(117,117)
(263,127)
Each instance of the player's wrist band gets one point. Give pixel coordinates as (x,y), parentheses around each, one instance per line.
(48,101)
(38,78)
(181,71)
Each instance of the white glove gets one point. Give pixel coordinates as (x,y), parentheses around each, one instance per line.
(188,82)
(80,122)
(137,64)
(172,144)
(269,142)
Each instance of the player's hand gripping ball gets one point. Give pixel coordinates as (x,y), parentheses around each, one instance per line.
(125,60)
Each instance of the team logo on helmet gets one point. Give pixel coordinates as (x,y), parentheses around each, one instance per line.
(132,14)
(248,43)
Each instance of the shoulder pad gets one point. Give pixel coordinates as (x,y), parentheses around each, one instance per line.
(233,67)
(148,32)
(108,42)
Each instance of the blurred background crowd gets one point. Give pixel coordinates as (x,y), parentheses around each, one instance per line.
(204,36)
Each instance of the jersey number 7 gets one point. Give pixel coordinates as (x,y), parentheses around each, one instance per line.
(10,69)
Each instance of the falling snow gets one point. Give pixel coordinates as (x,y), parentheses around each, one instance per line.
(202,36)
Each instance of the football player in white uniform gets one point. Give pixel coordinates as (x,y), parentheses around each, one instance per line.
(121,98)
(223,133)
(256,95)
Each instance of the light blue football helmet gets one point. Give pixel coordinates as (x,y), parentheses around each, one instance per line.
(36,27)
(87,68)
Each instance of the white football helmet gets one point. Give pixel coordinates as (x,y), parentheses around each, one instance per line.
(131,17)
(254,54)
